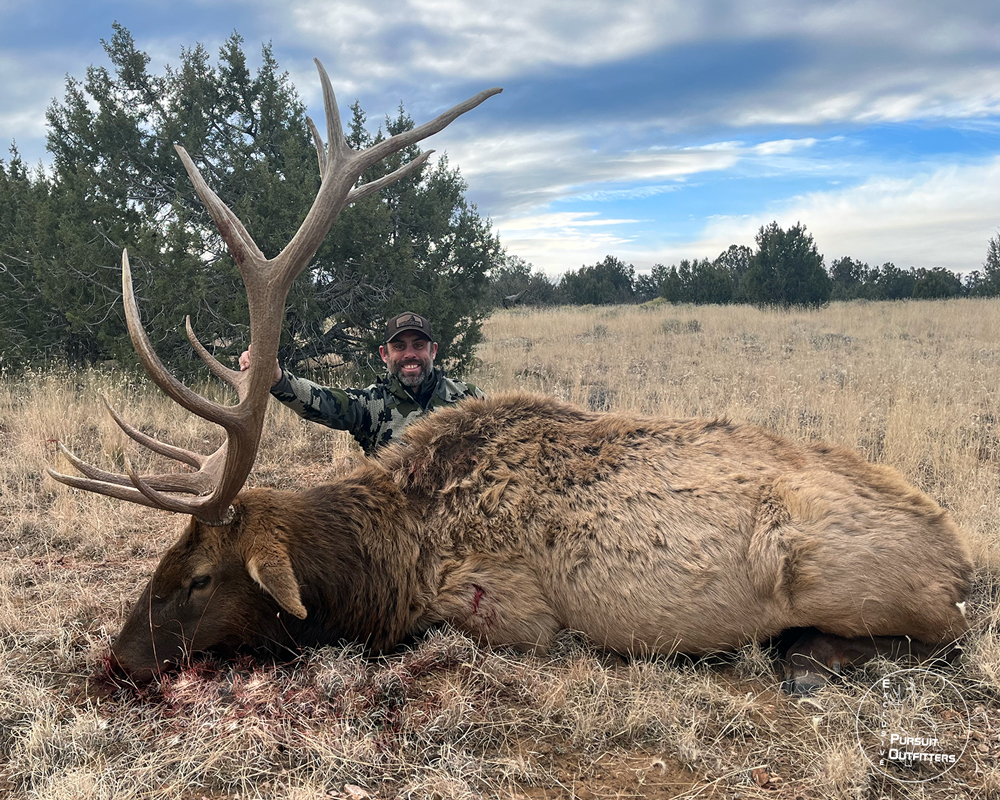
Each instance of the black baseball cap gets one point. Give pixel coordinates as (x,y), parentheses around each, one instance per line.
(408,321)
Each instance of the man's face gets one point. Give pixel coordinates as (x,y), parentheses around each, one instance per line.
(409,357)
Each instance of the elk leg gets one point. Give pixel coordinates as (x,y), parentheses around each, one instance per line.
(816,657)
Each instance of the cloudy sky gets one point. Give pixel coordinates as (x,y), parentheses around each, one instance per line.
(652,130)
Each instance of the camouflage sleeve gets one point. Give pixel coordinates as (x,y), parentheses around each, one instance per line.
(475,391)
(343,409)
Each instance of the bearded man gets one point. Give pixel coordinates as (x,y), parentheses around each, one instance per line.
(411,388)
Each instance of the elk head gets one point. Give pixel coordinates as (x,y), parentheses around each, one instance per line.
(171,618)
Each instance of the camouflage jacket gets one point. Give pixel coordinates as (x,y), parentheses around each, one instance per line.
(374,416)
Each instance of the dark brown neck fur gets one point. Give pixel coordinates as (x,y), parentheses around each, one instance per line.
(353,551)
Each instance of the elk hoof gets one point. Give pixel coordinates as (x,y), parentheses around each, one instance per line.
(804,684)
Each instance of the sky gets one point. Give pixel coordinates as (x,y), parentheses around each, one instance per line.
(650,130)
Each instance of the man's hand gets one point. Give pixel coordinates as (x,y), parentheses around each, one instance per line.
(245,364)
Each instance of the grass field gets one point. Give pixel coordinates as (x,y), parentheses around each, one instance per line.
(913,385)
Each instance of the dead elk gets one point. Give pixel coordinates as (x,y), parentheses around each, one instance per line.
(516,516)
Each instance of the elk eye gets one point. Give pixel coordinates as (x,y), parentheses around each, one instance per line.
(201,581)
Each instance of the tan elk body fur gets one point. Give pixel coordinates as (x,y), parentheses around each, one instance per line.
(672,535)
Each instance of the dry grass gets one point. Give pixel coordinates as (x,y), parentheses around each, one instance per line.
(913,385)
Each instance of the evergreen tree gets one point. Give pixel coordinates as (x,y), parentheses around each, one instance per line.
(935,283)
(787,269)
(607,282)
(987,282)
(650,286)
(849,279)
(736,260)
(24,316)
(514,281)
(117,182)
(892,283)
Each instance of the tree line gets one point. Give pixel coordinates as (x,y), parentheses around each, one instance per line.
(785,269)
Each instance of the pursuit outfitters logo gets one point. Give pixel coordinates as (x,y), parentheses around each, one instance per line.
(913,725)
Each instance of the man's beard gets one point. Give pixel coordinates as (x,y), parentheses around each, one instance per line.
(413,381)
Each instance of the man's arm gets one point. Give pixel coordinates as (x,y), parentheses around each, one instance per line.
(336,408)
(343,409)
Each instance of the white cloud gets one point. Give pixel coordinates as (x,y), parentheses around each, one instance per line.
(944,217)
(870,60)
(568,221)
(523,174)
(462,39)
(25,92)
(783,146)
(530,171)
(568,239)
(941,217)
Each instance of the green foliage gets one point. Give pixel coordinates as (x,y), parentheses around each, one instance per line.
(854,280)
(514,282)
(849,279)
(736,260)
(719,282)
(698,282)
(787,269)
(609,281)
(935,283)
(24,316)
(117,182)
(987,282)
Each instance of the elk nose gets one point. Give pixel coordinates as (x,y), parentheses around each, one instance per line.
(126,676)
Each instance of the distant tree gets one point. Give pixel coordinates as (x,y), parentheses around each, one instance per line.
(699,281)
(648,285)
(987,282)
(787,269)
(711,282)
(25,318)
(515,278)
(892,283)
(930,284)
(671,285)
(607,282)
(991,268)
(736,260)
(849,279)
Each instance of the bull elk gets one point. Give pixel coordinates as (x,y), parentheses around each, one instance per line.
(516,516)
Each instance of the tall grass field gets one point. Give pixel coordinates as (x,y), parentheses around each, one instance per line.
(913,385)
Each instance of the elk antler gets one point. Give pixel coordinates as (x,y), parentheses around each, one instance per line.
(220,476)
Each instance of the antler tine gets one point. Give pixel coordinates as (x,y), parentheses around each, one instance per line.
(334,127)
(142,491)
(223,373)
(373,186)
(207,508)
(170,482)
(318,144)
(404,139)
(164,449)
(103,487)
(342,167)
(241,245)
(173,388)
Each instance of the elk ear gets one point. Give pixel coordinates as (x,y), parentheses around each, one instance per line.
(272,570)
